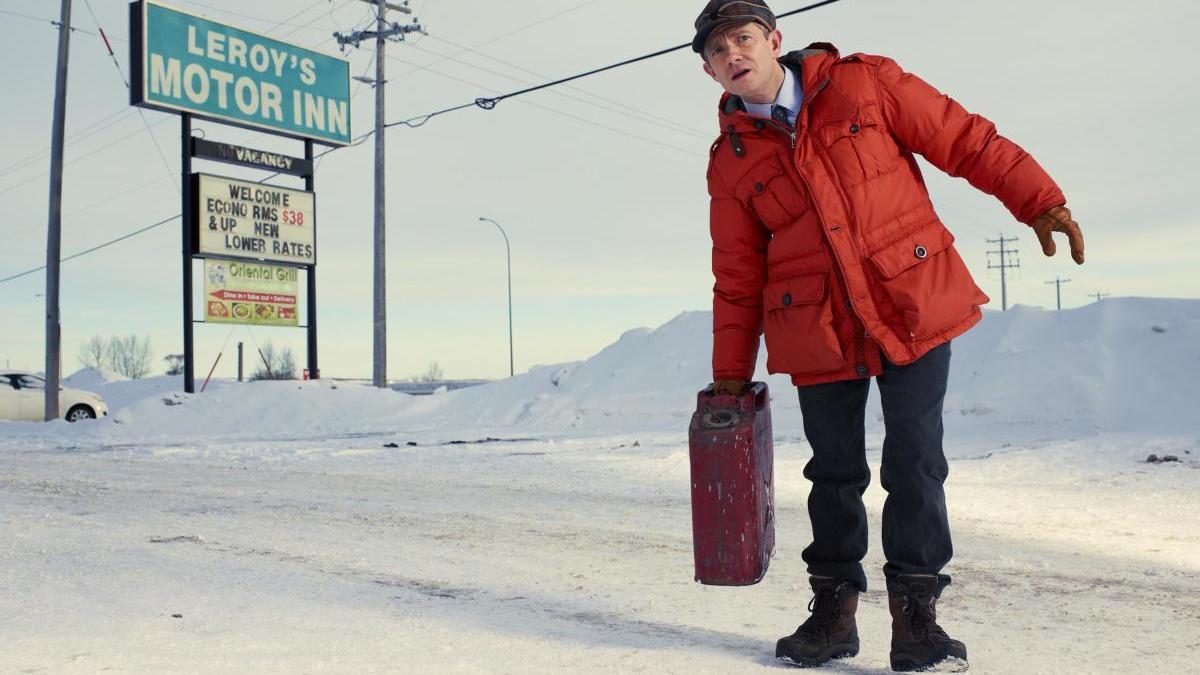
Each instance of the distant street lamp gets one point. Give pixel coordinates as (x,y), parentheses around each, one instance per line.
(508,259)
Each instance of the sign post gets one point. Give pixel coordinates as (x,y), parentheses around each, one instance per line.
(311,283)
(188,220)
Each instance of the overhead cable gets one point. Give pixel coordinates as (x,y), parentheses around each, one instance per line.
(489,103)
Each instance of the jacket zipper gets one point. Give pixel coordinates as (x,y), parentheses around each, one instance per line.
(790,133)
(860,331)
(824,158)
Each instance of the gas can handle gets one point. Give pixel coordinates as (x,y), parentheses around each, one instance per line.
(760,395)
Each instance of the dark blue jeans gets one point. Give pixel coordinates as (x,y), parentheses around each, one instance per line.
(916,531)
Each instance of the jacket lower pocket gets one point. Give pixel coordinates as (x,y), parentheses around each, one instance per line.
(927,281)
(799,326)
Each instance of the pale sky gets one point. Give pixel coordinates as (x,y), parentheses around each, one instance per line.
(600,186)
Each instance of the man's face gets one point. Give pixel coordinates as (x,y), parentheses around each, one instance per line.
(743,60)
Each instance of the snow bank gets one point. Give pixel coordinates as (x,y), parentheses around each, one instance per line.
(91,378)
(1121,365)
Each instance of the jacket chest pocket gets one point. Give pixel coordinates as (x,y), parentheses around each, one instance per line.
(798,326)
(859,146)
(769,193)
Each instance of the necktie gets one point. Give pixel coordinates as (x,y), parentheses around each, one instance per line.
(780,114)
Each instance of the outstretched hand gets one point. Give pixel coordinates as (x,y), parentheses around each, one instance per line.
(1058,219)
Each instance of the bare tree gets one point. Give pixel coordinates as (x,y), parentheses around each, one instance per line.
(286,368)
(174,364)
(432,374)
(276,364)
(130,356)
(93,353)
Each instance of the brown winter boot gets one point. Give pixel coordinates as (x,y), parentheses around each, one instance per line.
(830,633)
(918,643)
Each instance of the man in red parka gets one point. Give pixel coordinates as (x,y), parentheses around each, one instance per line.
(825,239)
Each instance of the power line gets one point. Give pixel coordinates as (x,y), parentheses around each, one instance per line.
(357,141)
(491,103)
(90,130)
(617,107)
(662,120)
(135,233)
(87,207)
(39,19)
(311,21)
(95,248)
(502,36)
(106,146)
(627,134)
(261,18)
(1098,295)
(125,110)
(487,104)
(141,113)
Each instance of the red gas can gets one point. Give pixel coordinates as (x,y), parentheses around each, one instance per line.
(733,495)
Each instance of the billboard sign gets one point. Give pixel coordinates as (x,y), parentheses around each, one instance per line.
(243,219)
(251,293)
(186,63)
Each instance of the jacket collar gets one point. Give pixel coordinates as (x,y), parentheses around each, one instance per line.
(810,66)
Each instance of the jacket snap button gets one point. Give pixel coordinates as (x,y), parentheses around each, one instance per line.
(759,124)
(854,128)
(861,370)
(920,252)
(787,299)
(849,304)
(758,187)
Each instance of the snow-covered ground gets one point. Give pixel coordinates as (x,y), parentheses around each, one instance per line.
(542,523)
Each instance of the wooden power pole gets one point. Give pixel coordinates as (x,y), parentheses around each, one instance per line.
(383,31)
(54,231)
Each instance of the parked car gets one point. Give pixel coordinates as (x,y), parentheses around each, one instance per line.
(23,397)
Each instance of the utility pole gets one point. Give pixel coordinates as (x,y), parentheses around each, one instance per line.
(1098,296)
(54,231)
(1004,265)
(383,31)
(1058,284)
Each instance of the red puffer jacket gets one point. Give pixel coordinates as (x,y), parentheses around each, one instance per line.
(825,238)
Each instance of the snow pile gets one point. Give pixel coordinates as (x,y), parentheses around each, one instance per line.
(119,391)
(1128,364)
(89,379)
(1121,365)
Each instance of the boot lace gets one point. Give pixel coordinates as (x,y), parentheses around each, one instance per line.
(826,609)
(922,618)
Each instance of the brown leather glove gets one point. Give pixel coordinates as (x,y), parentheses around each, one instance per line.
(1058,219)
(732,387)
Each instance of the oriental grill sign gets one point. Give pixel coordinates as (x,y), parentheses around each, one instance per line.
(189,64)
(242,219)
(251,293)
